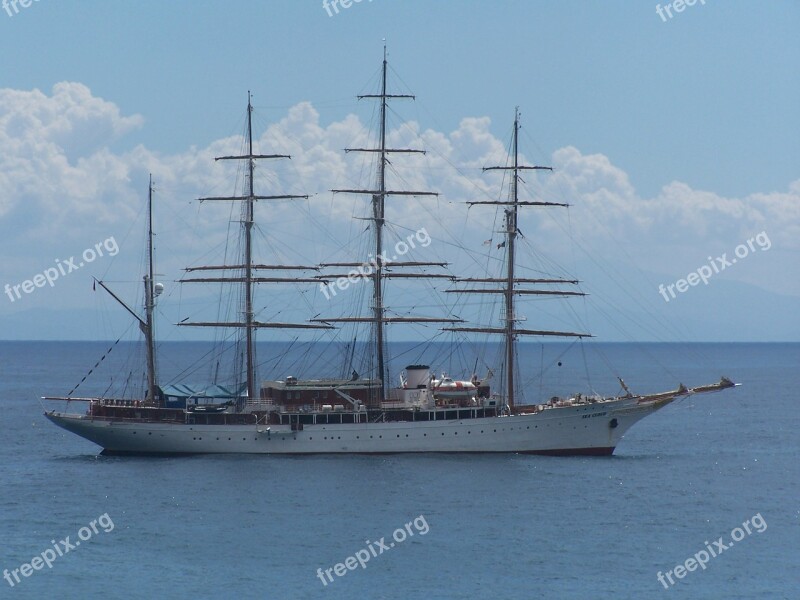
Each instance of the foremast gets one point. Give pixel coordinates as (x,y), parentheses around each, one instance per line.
(248,280)
(510,331)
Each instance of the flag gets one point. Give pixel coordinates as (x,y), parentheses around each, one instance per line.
(501,245)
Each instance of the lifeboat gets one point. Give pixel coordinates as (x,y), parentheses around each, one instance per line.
(449,388)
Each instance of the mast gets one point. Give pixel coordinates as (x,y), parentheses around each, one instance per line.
(509,330)
(378,213)
(248,257)
(511,236)
(149,302)
(146,325)
(379,319)
(247,266)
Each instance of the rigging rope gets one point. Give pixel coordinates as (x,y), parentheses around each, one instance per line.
(94,367)
(586,366)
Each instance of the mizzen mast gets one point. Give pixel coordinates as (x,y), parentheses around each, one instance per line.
(249,323)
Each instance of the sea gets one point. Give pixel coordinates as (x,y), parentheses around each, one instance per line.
(707,490)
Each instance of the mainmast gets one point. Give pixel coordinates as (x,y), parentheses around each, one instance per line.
(509,330)
(379,319)
(248,256)
(511,236)
(249,322)
(378,214)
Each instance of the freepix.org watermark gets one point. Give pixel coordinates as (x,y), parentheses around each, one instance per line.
(335,4)
(9,5)
(702,557)
(365,270)
(373,550)
(677,5)
(715,266)
(59,549)
(51,274)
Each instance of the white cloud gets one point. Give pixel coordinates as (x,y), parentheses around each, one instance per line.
(61,187)
(53,159)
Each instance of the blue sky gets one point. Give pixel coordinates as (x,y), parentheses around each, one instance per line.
(711,95)
(696,113)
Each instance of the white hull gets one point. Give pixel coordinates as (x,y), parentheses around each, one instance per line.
(586,429)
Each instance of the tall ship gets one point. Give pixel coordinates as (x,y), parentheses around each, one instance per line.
(423,412)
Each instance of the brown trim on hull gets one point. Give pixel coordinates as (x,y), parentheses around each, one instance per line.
(132,453)
(565,452)
(573,452)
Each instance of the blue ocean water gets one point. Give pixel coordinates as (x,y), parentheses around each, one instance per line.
(494,526)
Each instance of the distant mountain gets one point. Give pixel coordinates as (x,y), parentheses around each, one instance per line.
(720,311)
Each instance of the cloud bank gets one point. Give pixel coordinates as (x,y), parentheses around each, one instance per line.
(62,187)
